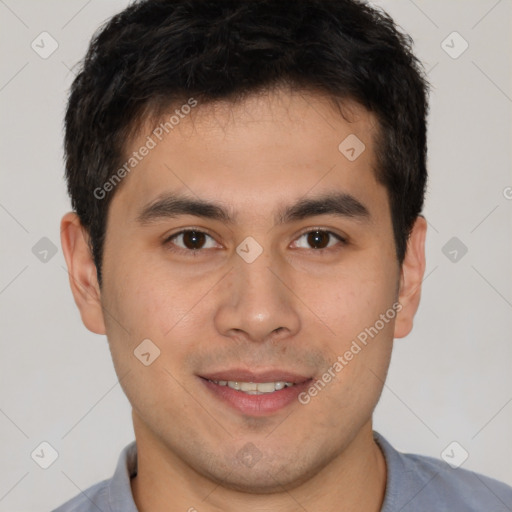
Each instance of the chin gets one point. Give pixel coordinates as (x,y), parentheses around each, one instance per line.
(262,481)
(266,476)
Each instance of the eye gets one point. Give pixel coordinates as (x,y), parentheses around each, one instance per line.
(190,240)
(193,240)
(320,239)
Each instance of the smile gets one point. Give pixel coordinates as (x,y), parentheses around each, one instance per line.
(254,388)
(255,393)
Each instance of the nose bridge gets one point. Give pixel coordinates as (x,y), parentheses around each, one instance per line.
(257,303)
(259,285)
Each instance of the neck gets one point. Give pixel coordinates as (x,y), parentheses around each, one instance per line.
(355,480)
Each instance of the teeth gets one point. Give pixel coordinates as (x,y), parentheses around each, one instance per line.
(262,387)
(254,388)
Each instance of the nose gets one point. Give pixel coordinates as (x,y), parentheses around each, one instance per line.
(257,301)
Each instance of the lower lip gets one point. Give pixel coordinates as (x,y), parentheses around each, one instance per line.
(257,405)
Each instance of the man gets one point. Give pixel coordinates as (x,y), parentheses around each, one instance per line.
(247,179)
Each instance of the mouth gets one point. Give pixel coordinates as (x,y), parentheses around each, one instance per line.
(256,394)
(254,388)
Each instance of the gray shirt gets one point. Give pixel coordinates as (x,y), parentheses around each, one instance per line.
(415,483)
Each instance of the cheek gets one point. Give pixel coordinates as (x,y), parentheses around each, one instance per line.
(147,296)
(361,311)
(357,296)
(144,303)
(151,300)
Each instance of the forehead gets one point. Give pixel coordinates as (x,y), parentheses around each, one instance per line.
(258,152)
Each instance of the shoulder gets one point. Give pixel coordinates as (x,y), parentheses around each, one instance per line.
(446,486)
(111,495)
(419,483)
(90,500)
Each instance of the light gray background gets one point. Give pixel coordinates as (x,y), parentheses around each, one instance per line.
(451,379)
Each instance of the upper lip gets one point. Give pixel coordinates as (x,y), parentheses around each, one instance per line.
(241,375)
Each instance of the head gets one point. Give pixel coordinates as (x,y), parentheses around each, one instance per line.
(302,128)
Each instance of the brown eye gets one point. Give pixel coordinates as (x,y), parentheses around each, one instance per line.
(319,239)
(190,240)
(193,239)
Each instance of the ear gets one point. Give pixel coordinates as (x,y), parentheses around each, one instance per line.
(82,272)
(411,278)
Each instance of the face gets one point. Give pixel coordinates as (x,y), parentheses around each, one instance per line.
(249,249)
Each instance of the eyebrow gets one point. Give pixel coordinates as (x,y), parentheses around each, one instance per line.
(173,205)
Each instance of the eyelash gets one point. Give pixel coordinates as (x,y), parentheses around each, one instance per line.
(194,252)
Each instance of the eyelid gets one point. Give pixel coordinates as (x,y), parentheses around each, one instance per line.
(342,239)
(324,230)
(172,247)
(185,229)
(168,238)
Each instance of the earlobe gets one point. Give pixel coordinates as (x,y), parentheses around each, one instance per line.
(413,269)
(82,272)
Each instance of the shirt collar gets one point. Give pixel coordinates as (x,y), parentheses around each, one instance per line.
(120,495)
(121,498)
